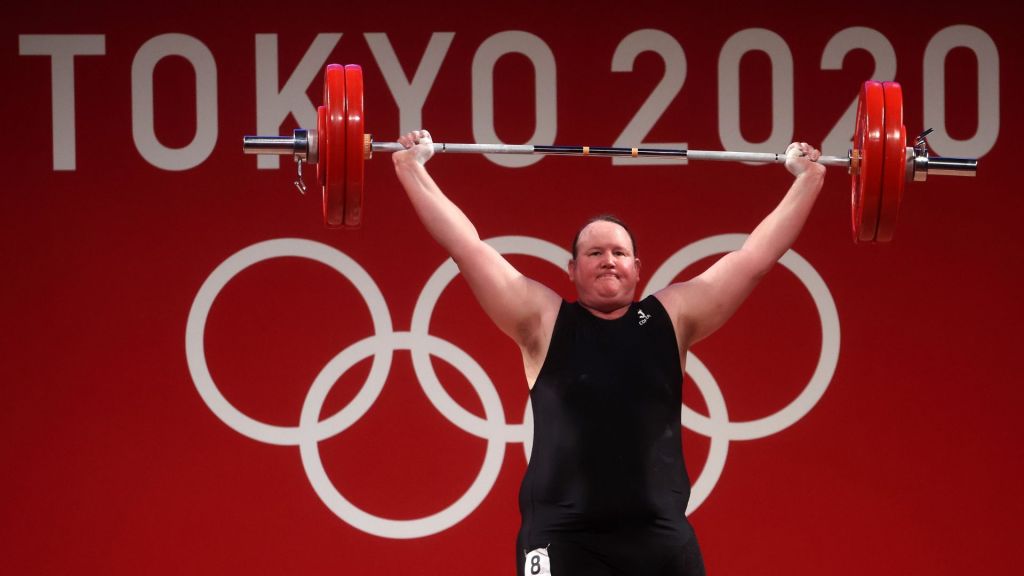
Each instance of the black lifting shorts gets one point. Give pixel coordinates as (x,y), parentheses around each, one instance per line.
(577,557)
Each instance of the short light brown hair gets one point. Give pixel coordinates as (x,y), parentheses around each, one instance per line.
(604,218)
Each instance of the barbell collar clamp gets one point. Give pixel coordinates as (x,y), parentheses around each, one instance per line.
(303,144)
(920,165)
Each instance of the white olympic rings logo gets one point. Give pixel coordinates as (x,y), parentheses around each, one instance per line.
(492,428)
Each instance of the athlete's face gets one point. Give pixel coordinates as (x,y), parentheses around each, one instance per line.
(605,269)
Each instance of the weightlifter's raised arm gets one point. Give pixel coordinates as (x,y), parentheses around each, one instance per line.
(700,306)
(522,308)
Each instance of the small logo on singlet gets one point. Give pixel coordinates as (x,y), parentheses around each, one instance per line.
(643,317)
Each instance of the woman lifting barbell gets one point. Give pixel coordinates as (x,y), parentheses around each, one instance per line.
(606,489)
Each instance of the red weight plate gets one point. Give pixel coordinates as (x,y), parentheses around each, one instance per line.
(332,146)
(354,143)
(868,146)
(321,128)
(894,168)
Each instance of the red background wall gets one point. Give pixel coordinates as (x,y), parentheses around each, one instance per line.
(909,461)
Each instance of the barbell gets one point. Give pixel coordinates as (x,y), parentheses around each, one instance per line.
(879,162)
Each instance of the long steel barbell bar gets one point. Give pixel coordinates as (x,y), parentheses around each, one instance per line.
(880,161)
(302,146)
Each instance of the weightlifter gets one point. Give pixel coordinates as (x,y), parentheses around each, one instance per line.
(606,489)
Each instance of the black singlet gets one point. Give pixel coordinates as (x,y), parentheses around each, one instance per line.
(606,489)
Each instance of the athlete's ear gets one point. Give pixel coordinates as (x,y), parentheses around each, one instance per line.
(572,269)
(636,264)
